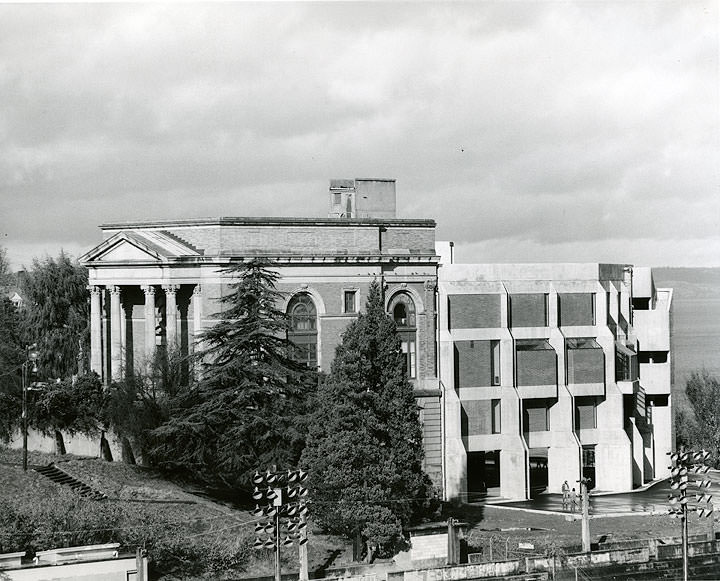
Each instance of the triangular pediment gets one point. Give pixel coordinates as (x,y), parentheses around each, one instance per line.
(127,251)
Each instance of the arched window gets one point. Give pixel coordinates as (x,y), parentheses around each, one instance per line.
(402,310)
(303,328)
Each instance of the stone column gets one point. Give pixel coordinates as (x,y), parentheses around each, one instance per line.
(96,358)
(150,322)
(197,315)
(430,328)
(115,334)
(171,314)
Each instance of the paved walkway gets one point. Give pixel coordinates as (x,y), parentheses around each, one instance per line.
(650,499)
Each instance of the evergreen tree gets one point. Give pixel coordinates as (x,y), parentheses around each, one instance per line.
(6,277)
(11,360)
(242,414)
(57,314)
(364,447)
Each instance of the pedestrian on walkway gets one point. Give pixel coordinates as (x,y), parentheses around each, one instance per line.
(573,500)
(565,495)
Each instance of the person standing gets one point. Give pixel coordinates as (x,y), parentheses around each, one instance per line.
(565,495)
(573,500)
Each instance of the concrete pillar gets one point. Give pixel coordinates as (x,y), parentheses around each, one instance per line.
(150,322)
(171,318)
(96,363)
(115,334)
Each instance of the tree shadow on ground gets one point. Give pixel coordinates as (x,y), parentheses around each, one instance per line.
(470,513)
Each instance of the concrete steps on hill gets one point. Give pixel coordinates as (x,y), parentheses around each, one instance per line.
(61,477)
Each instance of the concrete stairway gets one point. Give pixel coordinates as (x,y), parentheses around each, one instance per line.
(59,476)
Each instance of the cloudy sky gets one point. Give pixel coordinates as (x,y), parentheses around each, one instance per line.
(543,131)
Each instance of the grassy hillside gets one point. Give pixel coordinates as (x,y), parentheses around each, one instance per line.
(187,536)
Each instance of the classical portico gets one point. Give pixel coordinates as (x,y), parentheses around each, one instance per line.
(157,285)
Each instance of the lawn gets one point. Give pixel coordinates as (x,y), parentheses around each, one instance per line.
(179,527)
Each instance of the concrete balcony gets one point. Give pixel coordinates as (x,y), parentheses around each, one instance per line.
(629,387)
(652,329)
(655,378)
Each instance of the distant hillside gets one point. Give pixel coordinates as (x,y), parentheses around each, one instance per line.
(690,282)
(696,320)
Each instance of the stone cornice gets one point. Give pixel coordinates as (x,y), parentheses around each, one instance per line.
(280,259)
(273,221)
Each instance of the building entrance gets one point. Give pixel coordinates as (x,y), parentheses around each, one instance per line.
(483,474)
(538,470)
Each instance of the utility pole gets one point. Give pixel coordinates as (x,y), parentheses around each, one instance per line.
(685,462)
(585,515)
(30,356)
(585,500)
(283,497)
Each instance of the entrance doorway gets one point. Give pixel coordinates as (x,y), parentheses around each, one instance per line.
(483,474)
(538,470)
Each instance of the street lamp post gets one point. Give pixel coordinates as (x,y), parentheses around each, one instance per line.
(30,357)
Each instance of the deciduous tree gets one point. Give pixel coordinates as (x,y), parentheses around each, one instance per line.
(703,392)
(242,413)
(364,449)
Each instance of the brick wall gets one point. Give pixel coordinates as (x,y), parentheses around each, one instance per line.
(476,417)
(586,366)
(432,437)
(576,308)
(528,310)
(536,367)
(412,239)
(473,364)
(474,311)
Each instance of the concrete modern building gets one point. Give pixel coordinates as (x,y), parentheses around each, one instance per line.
(543,369)
(526,375)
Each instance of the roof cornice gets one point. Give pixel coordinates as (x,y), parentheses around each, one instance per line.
(273,221)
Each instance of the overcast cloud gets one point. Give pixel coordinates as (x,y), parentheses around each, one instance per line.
(543,131)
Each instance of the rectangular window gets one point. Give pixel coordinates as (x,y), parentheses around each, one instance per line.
(477,363)
(529,310)
(408,349)
(496,414)
(495,362)
(576,309)
(350,301)
(535,416)
(337,199)
(536,362)
(474,311)
(585,413)
(585,361)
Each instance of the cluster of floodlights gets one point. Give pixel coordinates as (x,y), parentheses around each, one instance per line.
(280,498)
(684,465)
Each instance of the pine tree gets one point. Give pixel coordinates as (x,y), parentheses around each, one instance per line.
(57,314)
(11,359)
(364,448)
(243,413)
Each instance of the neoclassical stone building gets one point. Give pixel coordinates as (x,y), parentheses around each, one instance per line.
(155,284)
(525,374)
